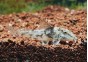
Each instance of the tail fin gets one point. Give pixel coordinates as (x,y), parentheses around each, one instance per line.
(12,31)
(19,32)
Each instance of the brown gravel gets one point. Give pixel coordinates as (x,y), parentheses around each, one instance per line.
(74,20)
(50,16)
(12,52)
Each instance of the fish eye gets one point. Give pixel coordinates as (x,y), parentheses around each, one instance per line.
(65,32)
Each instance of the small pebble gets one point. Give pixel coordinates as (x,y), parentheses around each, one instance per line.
(1,28)
(67,9)
(72,12)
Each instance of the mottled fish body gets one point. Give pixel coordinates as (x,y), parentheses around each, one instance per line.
(53,34)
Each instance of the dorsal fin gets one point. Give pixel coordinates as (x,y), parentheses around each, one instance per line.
(43,25)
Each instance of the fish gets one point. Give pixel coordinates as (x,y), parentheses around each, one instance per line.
(49,34)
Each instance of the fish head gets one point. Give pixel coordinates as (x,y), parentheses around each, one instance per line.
(67,35)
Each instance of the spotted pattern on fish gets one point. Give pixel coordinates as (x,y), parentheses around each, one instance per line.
(53,34)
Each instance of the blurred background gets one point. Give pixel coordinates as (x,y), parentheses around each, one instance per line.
(11,6)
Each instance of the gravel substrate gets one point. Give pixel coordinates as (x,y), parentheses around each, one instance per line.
(14,48)
(12,52)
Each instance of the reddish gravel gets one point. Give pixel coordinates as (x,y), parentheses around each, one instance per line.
(74,20)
